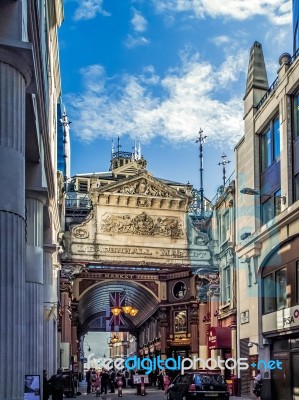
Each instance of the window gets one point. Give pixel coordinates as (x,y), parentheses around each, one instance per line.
(269,294)
(296,187)
(296,116)
(226,282)
(270,144)
(281,287)
(274,291)
(297,282)
(225,227)
(82,186)
(271,207)
(179,290)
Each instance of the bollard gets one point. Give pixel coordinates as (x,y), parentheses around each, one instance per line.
(120,387)
(143,393)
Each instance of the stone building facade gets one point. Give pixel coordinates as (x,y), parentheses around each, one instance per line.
(267,227)
(29,219)
(129,232)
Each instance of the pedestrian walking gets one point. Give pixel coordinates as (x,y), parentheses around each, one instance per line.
(257,385)
(46,386)
(104,381)
(57,386)
(88,380)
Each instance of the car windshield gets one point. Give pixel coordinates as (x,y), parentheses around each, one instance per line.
(212,379)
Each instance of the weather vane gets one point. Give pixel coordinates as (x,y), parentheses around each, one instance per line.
(223,163)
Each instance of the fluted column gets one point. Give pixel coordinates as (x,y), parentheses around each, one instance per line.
(14,75)
(50,311)
(34,314)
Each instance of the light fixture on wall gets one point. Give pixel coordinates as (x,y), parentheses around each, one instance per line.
(253,192)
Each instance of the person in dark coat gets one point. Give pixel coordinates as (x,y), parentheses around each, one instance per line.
(104,381)
(56,382)
(112,381)
(46,386)
(88,380)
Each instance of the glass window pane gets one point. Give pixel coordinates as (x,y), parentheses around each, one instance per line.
(296,187)
(267,210)
(266,150)
(296,116)
(276,138)
(269,294)
(297,280)
(281,288)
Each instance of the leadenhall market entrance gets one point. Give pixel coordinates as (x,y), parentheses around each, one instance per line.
(131,240)
(280,278)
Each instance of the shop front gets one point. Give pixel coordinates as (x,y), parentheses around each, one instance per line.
(280,321)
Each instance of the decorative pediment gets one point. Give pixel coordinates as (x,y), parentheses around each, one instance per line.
(143,185)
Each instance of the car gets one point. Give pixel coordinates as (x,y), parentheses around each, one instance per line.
(198,385)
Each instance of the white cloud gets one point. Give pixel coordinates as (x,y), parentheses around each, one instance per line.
(89,9)
(138,21)
(132,41)
(192,96)
(220,40)
(277,11)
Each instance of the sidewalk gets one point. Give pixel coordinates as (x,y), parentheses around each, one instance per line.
(130,394)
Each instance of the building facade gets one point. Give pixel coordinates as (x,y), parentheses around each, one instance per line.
(267,227)
(127,232)
(29,220)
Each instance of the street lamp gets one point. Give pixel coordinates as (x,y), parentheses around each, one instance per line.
(254,192)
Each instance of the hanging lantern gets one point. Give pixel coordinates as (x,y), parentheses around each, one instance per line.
(134,311)
(115,310)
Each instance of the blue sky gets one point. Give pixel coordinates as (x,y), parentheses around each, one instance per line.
(157,71)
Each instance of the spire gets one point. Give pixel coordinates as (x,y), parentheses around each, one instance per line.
(257,75)
(139,152)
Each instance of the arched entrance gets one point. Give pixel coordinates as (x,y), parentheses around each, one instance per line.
(94,302)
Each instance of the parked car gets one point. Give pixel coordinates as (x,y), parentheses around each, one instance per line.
(198,385)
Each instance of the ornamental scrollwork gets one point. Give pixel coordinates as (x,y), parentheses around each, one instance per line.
(80,233)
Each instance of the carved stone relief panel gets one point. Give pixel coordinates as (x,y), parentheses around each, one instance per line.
(142,224)
(145,188)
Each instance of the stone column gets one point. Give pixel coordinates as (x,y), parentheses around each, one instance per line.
(233,328)
(34,310)
(213,294)
(74,349)
(163,322)
(203,347)
(14,75)
(66,331)
(50,311)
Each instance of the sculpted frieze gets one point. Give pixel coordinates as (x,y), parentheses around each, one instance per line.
(145,188)
(142,224)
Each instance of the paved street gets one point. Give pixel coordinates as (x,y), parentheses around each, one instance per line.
(130,394)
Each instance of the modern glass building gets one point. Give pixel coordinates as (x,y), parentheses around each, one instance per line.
(63,141)
(295,24)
